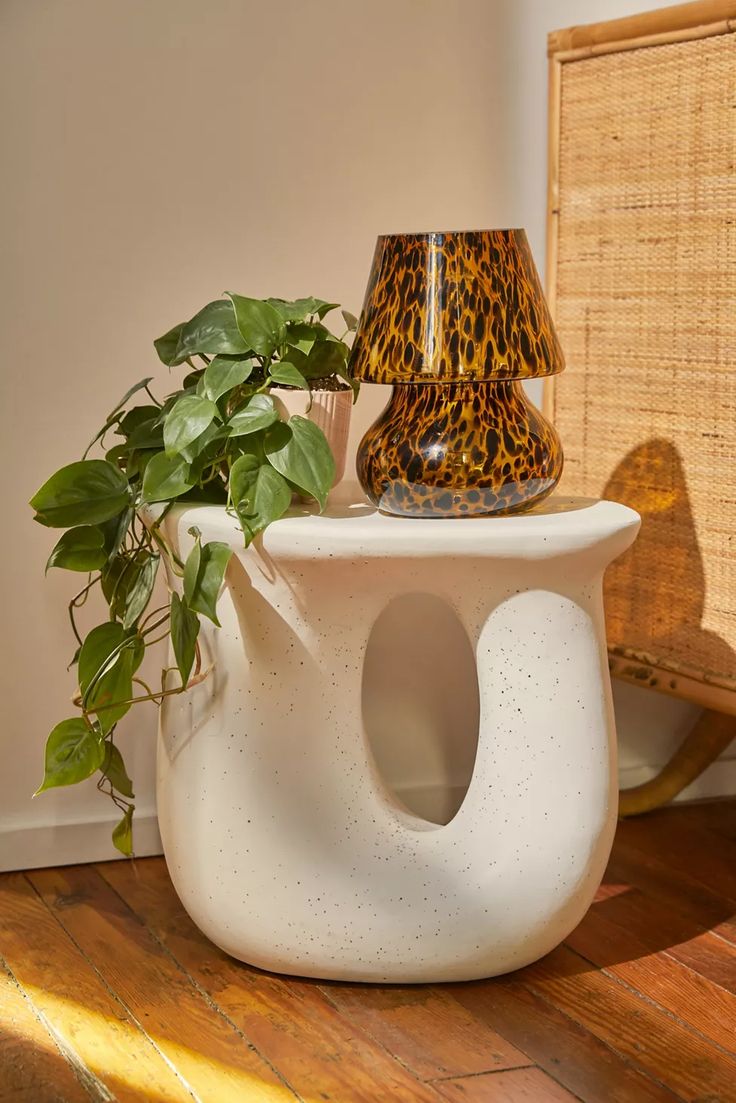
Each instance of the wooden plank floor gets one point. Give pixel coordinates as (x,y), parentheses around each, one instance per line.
(109,992)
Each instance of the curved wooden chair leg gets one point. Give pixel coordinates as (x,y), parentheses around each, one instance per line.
(709,737)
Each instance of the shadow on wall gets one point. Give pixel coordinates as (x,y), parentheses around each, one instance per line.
(655,592)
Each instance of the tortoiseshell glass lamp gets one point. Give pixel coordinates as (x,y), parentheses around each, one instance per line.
(455,321)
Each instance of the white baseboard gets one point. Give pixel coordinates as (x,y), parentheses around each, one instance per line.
(61,844)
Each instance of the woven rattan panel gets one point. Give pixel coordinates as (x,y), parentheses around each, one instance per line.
(645,306)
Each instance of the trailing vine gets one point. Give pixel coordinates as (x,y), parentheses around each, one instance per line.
(218,438)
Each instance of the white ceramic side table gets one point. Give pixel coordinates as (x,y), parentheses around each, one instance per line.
(286,835)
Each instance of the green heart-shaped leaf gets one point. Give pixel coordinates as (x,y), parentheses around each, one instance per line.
(222,374)
(83,493)
(80,549)
(114,770)
(212,331)
(184,632)
(287,373)
(186,421)
(167,477)
(299,451)
(258,413)
(167,344)
(74,750)
(303,335)
(261,327)
(122,835)
(325,358)
(107,661)
(299,309)
(115,530)
(207,442)
(99,645)
(117,577)
(127,584)
(204,572)
(138,593)
(328,358)
(135,417)
(259,493)
(146,434)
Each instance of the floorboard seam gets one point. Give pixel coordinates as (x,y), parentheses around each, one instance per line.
(627,1060)
(483,1072)
(696,972)
(422,1079)
(624,993)
(653,1003)
(94,1087)
(209,1000)
(554,1074)
(369,1034)
(118,999)
(670,1014)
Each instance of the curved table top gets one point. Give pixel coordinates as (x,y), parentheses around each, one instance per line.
(351,527)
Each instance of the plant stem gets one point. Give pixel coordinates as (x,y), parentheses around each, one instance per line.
(196,680)
(153,627)
(176,563)
(153,613)
(75,603)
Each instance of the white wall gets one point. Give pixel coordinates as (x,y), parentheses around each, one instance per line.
(158,153)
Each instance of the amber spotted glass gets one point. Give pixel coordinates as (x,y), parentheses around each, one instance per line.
(453,321)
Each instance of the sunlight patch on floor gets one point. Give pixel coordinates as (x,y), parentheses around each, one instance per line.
(87,1034)
(609,889)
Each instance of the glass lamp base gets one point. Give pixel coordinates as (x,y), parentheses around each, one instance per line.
(459,450)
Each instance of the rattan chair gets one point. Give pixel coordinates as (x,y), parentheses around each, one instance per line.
(641,275)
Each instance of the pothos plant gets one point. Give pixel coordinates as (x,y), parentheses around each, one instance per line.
(218,438)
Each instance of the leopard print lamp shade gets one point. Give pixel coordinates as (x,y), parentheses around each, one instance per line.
(452,306)
(454,321)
